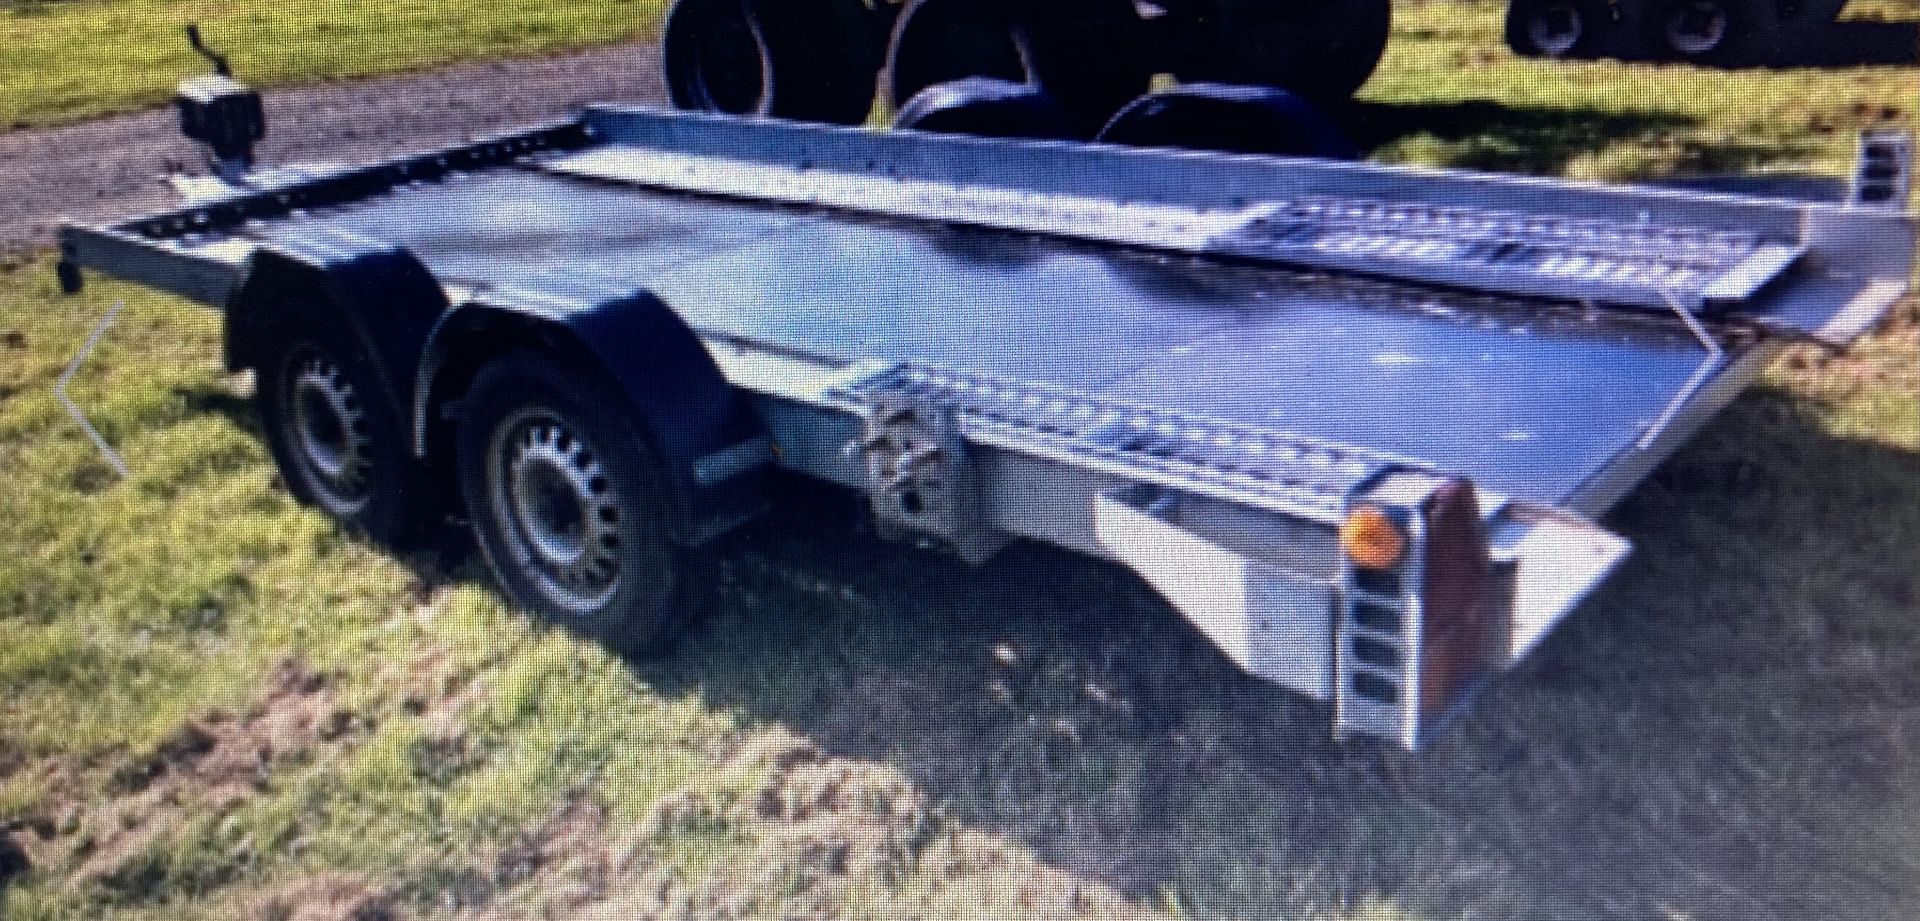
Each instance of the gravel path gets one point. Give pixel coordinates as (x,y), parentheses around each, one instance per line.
(116,166)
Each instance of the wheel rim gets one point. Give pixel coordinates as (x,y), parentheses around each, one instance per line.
(326,425)
(1697,28)
(1556,29)
(557,507)
(729,61)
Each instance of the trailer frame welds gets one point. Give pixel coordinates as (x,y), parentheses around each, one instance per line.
(1352,421)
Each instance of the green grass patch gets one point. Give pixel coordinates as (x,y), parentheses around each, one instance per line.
(1449,93)
(73,59)
(129,609)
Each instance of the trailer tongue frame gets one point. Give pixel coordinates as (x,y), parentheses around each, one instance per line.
(1351,421)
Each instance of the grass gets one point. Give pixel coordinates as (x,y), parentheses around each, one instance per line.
(131,609)
(214,704)
(64,60)
(1448,93)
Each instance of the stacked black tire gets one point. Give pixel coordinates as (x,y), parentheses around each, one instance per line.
(1062,68)
(1713,32)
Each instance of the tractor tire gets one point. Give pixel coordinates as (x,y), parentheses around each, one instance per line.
(1236,119)
(810,60)
(985,107)
(1324,50)
(1557,28)
(1712,32)
(1086,54)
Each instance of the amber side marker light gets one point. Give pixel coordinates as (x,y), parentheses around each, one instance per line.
(1371,539)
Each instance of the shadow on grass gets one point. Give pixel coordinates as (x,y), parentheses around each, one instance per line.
(217,399)
(1487,135)
(1498,136)
(1716,735)
(1847,44)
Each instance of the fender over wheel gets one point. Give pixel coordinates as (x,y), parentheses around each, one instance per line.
(812,60)
(571,505)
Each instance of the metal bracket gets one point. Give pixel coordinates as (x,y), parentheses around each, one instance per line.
(1715,360)
(922,485)
(73,409)
(1883,170)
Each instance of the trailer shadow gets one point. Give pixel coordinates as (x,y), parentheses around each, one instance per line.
(1853,43)
(1718,734)
(1496,136)
(1726,731)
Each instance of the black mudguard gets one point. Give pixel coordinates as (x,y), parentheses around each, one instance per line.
(426,348)
(384,295)
(712,444)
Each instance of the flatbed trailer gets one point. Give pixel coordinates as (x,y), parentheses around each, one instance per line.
(1352,421)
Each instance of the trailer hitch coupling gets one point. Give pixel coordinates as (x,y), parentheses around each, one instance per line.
(221,114)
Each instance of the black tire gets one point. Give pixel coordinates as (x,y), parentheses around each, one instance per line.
(1237,119)
(571,505)
(1556,28)
(1086,54)
(1324,50)
(985,107)
(1717,32)
(341,445)
(811,60)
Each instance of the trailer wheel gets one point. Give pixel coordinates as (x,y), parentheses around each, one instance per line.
(1321,49)
(1707,31)
(814,60)
(1555,28)
(1084,53)
(339,445)
(571,505)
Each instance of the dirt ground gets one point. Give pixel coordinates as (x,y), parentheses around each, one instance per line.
(117,166)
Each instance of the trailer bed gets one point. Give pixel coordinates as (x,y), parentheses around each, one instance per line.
(1535,400)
